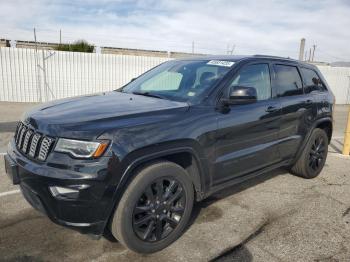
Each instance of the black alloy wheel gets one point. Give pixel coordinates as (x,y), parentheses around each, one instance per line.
(159,210)
(155,208)
(313,157)
(317,153)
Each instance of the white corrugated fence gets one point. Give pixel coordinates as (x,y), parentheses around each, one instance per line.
(338,79)
(27,75)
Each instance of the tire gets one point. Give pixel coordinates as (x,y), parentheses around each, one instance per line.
(140,200)
(311,161)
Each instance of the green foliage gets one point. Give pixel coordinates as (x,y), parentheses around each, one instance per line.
(77,46)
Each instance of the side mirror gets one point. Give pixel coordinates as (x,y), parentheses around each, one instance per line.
(240,95)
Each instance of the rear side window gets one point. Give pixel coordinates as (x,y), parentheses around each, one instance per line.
(287,80)
(312,80)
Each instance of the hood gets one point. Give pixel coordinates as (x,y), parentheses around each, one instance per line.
(72,113)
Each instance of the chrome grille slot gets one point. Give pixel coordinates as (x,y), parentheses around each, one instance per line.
(26,140)
(21,136)
(44,148)
(18,129)
(34,145)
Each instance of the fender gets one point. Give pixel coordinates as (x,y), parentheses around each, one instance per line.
(307,137)
(197,178)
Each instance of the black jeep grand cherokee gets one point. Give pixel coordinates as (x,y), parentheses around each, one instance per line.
(133,161)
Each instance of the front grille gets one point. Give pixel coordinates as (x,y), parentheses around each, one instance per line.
(33,144)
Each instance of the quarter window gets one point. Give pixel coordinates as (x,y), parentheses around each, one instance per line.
(287,81)
(257,76)
(312,80)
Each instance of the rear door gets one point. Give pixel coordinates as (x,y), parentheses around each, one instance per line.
(247,135)
(297,108)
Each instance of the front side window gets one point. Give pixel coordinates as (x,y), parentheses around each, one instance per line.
(312,80)
(257,76)
(287,81)
(179,80)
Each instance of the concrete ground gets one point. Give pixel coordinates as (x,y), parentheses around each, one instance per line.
(275,217)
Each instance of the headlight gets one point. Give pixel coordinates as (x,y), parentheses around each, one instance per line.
(81,149)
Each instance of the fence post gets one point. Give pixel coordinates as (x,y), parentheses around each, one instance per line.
(38,78)
(44,75)
(348,94)
(346,148)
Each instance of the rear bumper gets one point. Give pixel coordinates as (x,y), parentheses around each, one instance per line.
(87,210)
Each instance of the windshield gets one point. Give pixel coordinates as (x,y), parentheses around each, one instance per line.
(179,80)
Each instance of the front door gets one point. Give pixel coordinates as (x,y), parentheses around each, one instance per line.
(247,135)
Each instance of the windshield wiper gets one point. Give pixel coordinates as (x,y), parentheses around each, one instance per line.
(148,94)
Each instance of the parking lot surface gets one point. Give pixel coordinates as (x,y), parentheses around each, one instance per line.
(275,217)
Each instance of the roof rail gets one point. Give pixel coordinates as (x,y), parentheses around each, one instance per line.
(272,56)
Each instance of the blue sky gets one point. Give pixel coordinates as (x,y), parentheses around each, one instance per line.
(253,27)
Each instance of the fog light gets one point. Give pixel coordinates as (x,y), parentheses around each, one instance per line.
(64,192)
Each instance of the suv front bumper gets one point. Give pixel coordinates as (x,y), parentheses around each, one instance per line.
(87,203)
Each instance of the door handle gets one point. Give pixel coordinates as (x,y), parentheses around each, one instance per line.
(309,101)
(271,109)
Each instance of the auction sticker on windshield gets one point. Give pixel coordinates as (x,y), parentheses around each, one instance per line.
(221,63)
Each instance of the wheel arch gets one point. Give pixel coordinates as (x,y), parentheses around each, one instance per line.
(195,171)
(322,123)
(185,157)
(327,126)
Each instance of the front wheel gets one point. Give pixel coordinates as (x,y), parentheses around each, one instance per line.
(313,158)
(154,209)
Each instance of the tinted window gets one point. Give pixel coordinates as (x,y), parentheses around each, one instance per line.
(201,72)
(312,80)
(288,81)
(257,76)
(164,81)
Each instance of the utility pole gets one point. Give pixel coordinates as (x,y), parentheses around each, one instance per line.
(310,55)
(192,47)
(232,49)
(36,47)
(313,52)
(60,37)
(301,49)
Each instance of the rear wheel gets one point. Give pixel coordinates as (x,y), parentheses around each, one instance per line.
(313,158)
(154,209)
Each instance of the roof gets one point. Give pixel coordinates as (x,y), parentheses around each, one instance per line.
(235,58)
(232,58)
